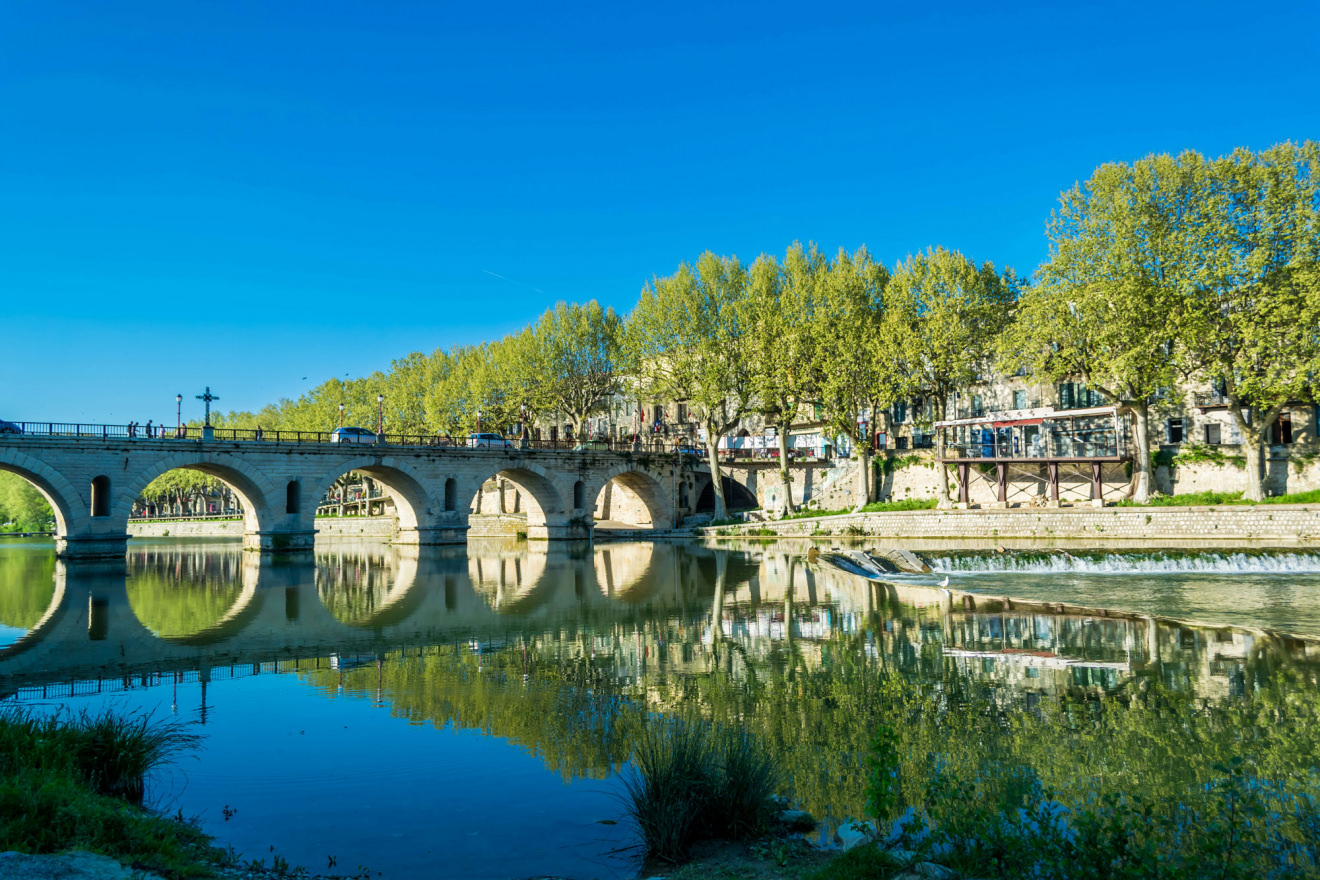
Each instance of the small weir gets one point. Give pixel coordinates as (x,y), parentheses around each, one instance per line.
(1164,562)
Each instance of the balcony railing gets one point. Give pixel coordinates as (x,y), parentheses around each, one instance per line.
(1210,398)
(972,412)
(1098,444)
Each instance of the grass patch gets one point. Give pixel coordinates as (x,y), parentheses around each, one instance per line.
(873,507)
(1212,499)
(78,782)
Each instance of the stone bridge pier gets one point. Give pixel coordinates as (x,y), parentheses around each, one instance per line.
(92,484)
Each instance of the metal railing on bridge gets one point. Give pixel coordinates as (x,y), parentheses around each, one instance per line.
(644,443)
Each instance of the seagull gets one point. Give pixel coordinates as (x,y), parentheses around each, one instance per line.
(945,582)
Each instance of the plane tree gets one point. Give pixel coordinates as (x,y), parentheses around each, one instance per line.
(1105,306)
(781,340)
(855,353)
(1251,291)
(570,359)
(946,313)
(686,341)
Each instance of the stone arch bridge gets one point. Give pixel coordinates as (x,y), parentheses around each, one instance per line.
(92,481)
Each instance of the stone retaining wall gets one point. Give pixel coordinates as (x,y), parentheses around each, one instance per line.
(496,526)
(1284,524)
(326,527)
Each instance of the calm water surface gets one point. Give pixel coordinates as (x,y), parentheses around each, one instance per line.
(466,712)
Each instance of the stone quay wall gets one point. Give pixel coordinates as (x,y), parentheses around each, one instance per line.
(326,527)
(1273,524)
(479,526)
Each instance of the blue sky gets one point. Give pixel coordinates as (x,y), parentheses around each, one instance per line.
(241,195)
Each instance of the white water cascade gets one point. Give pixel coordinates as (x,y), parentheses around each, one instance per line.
(1131,563)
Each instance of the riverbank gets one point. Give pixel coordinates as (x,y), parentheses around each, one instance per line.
(1282,526)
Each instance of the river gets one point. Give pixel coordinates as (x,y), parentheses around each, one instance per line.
(467,712)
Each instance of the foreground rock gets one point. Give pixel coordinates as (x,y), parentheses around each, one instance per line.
(67,866)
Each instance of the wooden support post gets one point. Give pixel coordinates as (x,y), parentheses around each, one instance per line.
(1053,468)
(964,482)
(1002,475)
(1096,489)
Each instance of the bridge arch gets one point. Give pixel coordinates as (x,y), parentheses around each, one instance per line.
(654,496)
(419,513)
(64,500)
(254,488)
(549,516)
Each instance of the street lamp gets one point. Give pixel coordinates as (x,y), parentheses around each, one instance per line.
(341,415)
(522,422)
(178,419)
(380,413)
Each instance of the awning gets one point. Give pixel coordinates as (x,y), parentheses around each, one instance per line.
(1014,423)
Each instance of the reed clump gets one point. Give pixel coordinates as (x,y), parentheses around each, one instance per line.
(693,781)
(78,781)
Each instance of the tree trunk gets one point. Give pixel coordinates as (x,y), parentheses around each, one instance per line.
(784,473)
(1141,457)
(717,480)
(1251,448)
(1253,437)
(942,411)
(863,476)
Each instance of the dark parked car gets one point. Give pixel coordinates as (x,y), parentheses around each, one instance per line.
(9,428)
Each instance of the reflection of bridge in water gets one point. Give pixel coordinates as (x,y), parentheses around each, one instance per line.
(646,606)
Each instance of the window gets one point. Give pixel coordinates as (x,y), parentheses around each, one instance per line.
(659,413)
(1173,431)
(1065,395)
(682,413)
(900,413)
(1019,400)
(1281,430)
(101,496)
(978,408)
(1212,434)
(901,443)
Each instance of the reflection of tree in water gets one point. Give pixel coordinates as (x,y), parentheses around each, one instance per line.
(354,583)
(566,713)
(183,591)
(27,587)
(815,697)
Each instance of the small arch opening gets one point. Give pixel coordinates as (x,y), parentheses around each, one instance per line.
(101,496)
(579,495)
(451,494)
(293,497)
(632,499)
